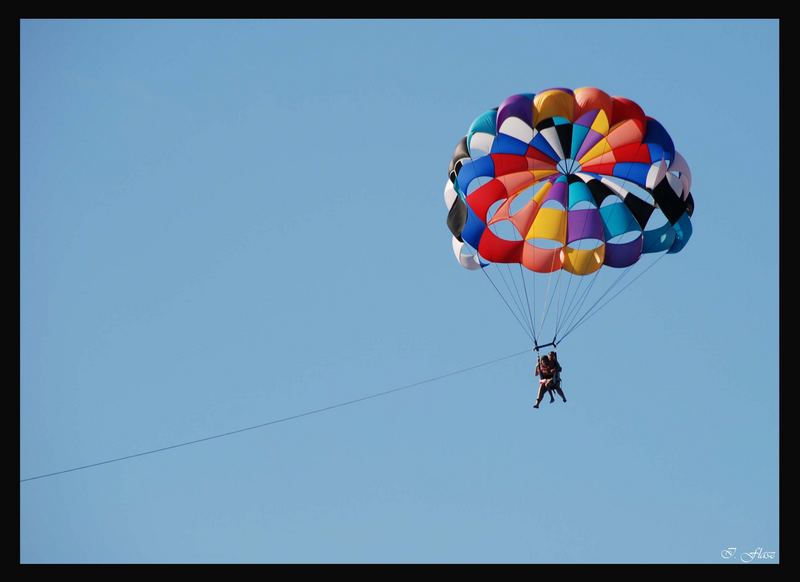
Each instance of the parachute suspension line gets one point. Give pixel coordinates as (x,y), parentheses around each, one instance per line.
(547,293)
(523,305)
(515,296)
(560,304)
(554,295)
(524,313)
(525,329)
(533,284)
(525,287)
(631,282)
(585,315)
(613,284)
(525,273)
(516,288)
(578,295)
(530,317)
(521,311)
(577,307)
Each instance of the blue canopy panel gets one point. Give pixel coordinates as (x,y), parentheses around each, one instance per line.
(579,133)
(484,123)
(506,144)
(683,232)
(473,229)
(634,171)
(617,220)
(579,192)
(540,143)
(473,169)
(659,239)
(657,135)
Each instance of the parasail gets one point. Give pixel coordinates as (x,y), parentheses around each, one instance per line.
(557,196)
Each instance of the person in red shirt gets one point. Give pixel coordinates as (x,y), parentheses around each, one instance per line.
(545,371)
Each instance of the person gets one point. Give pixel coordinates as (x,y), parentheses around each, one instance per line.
(555,383)
(545,371)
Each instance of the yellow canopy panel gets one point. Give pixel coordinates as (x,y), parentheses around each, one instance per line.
(550,223)
(584,261)
(553,103)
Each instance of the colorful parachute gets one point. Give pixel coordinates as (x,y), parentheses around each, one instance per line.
(563,181)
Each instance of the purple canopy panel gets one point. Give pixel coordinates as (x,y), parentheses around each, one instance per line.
(515,106)
(582,224)
(625,254)
(588,143)
(557,192)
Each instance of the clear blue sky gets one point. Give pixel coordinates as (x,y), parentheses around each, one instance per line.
(228,222)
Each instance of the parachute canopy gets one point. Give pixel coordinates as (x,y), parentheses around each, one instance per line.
(562,180)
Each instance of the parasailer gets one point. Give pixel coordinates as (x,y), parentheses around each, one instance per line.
(545,372)
(556,382)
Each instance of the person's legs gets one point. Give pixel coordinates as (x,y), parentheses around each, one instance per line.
(540,395)
(560,392)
